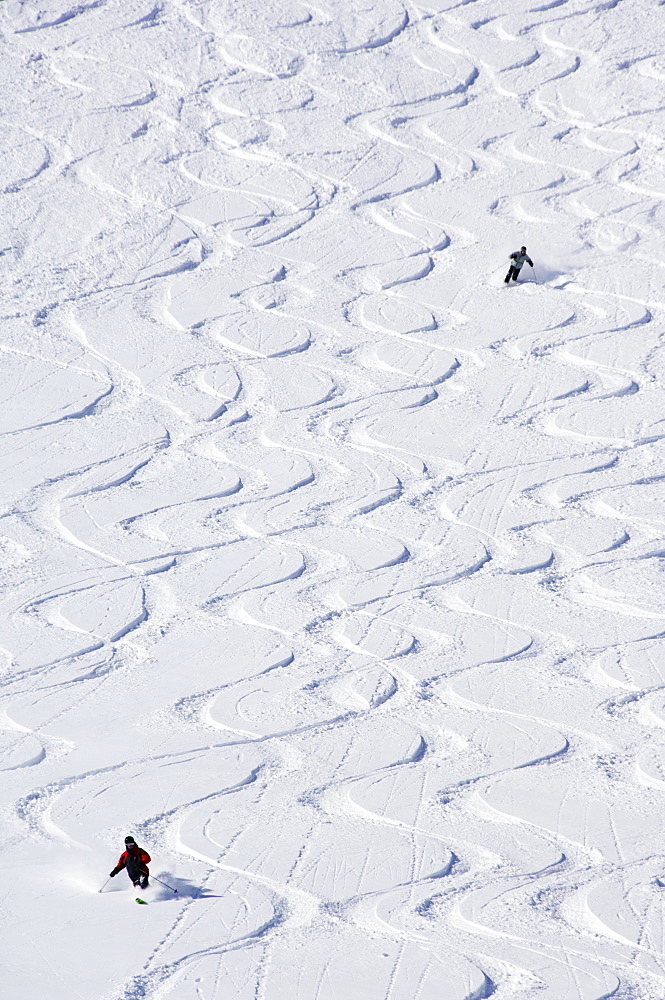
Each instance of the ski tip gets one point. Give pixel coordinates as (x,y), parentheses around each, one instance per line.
(141,901)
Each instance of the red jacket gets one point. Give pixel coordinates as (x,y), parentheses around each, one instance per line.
(141,856)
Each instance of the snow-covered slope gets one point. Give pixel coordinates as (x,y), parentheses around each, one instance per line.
(332,567)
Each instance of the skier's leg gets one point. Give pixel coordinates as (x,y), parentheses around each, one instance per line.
(507,278)
(516,273)
(134,871)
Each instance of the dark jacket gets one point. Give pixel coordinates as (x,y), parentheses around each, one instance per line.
(134,859)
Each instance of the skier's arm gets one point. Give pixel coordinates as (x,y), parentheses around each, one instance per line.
(122,861)
(529,261)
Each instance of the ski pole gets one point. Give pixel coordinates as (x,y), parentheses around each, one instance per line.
(155,879)
(535,276)
(105,884)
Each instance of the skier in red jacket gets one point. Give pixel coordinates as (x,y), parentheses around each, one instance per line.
(136,861)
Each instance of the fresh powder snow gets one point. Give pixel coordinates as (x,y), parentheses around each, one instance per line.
(332,565)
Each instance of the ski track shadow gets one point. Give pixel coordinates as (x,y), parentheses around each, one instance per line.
(186,889)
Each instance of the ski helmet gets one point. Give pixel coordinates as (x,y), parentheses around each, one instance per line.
(129,840)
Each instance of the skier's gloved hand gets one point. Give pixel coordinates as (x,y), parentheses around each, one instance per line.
(113,873)
(530,264)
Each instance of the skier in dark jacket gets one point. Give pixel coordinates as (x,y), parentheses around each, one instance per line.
(136,861)
(518,258)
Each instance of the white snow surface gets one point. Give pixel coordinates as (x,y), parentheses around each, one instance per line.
(332,567)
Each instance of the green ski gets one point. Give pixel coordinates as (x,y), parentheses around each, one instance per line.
(141,901)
